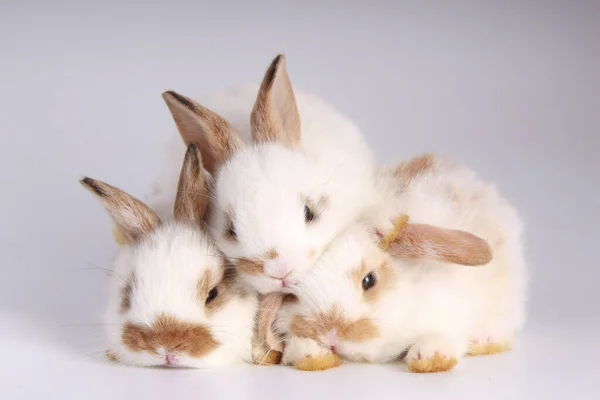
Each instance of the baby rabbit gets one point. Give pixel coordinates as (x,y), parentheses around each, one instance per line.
(420,298)
(174,302)
(290,173)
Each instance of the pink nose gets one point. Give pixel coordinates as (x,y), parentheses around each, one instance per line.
(276,268)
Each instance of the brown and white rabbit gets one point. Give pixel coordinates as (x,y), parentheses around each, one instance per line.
(174,301)
(290,173)
(451,282)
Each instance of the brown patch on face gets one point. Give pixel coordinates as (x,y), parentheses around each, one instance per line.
(409,170)
(171,335)
(321,323)
(126,293)
(255,266)
(384,274)
(311,253)
(420,241)
(250,267)
(221,282)
(275,115)
(197,124)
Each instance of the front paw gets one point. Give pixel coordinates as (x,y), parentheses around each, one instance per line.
(319,363)
(307,355)
(432,354)
(264,356)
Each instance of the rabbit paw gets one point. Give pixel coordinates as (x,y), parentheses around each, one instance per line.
(432,354)
(262,356)
(320,363)
(486,345)
(307,355)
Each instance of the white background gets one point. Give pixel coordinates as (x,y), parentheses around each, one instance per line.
(511,89)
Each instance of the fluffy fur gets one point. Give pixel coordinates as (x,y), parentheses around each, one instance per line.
(265,175)
(435,309)
(159,312)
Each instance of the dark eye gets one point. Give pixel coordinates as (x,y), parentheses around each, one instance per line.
(368,281)
(231,230)
(214,292)
(308,214)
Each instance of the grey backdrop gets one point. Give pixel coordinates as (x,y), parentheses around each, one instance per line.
(511,89)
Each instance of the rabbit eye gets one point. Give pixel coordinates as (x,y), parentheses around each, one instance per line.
(231,230)
(308,214)
(368,281)
(214,292)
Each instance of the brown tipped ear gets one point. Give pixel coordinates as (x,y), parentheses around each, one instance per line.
(132,217)
(421,241)
(191,201)
(275,115)
(196,124)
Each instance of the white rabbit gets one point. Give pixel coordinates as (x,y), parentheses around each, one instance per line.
(422,295)
(290,173)
(173,301)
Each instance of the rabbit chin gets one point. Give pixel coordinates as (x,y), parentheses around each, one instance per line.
(221,356)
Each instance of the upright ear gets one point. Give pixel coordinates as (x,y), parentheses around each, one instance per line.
(191,202)
(132,218)
(196,124)
(419,241)
(275,115)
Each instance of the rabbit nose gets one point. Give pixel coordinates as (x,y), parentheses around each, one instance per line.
(276,268)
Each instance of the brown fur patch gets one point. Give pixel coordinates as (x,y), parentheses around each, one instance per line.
(132,217)
(111,356)
(250,267)
(275,115)
(437,363)
(271,357)
(321,323)
(197,124)
(191,201)
(126,293)
(483,349)
(385,278)
(318,363)
(264,336)
(223,280)
(118,237)
(407,171)
(169,334)
(446,245)
(255,266)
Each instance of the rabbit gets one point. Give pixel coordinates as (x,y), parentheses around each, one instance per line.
(174,301)
(452,280)
(290,173)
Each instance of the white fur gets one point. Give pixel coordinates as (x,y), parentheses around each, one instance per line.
(167,266)
(433,306)
(266,185)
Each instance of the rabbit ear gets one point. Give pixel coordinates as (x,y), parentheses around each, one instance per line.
(196,124)
(191,202)
(275,115)
(132,217)
(419,241)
